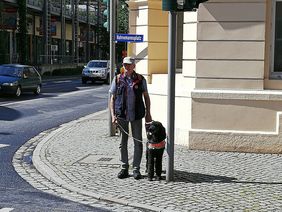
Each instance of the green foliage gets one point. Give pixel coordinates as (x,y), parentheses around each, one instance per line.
(1,9)
(2,46)
(67,71)
(22,28)
(122,17)
(122,27)
(104,43)
(47,73)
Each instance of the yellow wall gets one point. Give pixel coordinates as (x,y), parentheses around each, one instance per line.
(148,19)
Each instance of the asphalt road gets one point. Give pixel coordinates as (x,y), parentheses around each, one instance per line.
(25,117)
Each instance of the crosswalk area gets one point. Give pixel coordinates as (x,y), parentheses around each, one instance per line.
(3,145)
(6,209)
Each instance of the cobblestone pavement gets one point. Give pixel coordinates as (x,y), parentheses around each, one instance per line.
(79,161)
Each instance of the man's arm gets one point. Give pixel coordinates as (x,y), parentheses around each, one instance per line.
(112,100)
(112,103)
(148,117)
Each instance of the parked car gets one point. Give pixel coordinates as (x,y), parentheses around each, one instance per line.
(16,78)
(96,70)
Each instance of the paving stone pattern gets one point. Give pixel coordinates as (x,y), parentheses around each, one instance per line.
(84,158)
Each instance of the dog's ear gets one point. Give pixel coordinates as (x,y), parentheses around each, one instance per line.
(160,131)
(150,131)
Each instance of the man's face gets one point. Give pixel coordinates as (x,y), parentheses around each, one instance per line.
(129,68)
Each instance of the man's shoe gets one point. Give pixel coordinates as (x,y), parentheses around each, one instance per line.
(158,178)
(136,174)
(123,174)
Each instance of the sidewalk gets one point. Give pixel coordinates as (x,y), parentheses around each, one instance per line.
(81,157)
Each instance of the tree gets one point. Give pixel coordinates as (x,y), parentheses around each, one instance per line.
(2,44)
(122,27)
(122,17)
(104,41)
(22,29)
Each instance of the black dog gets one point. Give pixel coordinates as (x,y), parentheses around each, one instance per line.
(156,136)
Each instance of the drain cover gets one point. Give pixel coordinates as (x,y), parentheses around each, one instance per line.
(104,159)
(100,159)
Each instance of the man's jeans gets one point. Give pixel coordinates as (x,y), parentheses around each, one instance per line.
(136,128)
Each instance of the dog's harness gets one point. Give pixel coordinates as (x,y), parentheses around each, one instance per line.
(160,145)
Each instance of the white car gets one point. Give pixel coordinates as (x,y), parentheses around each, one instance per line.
(96,70)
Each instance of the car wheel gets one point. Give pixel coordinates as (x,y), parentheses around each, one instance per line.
(107,81)
(18,91)
(83,81)
(38,90)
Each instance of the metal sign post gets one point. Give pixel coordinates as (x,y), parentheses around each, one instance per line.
(112,56)
(171,94)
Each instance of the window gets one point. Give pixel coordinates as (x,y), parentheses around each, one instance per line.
(26,73)
(95,64)
(32,72)
(277,37)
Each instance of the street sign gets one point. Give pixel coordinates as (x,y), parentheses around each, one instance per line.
(128,38)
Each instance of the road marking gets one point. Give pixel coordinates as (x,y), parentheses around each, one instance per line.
(2,146)
(64,94)
(62,81)
(78,92)
(6,209)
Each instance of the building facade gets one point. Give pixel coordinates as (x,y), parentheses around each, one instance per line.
(228,78)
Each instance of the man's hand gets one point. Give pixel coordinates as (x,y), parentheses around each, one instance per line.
(148,117)
(114,119)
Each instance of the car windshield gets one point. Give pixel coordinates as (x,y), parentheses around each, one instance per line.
(10,71)
(95,64)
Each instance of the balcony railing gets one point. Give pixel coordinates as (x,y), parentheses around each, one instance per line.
(35,3)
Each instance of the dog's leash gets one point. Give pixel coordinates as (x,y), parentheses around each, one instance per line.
(121,128)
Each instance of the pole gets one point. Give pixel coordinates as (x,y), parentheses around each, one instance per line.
(63,32)
(171,94)
(87,32)
(45,31)
(112,55)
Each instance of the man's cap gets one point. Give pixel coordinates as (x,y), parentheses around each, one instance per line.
(128,60)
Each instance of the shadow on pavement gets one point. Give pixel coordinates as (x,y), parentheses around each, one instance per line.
(8,114)
(5,133)
(182,176)
(4,98)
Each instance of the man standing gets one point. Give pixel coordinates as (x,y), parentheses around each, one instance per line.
(127,106)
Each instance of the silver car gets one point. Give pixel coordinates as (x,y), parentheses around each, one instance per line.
(96,70)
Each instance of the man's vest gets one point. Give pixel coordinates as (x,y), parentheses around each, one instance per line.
(121,96)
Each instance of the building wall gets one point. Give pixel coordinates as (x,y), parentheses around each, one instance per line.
(223,101)
(232,108)
(230,47)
